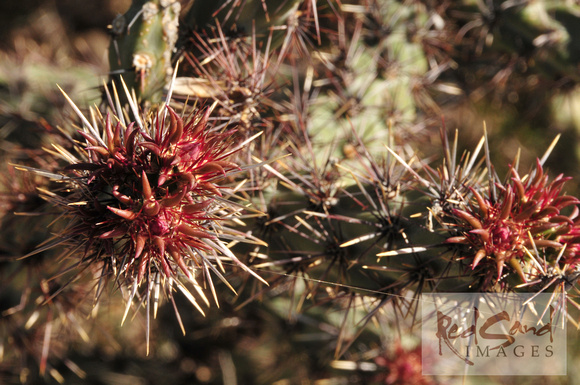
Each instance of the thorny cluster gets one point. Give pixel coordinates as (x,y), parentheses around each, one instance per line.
(280,162)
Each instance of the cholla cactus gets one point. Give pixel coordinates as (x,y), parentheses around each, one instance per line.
(401,366)
(145,205)
(526,216)
(286,146)
(142,45)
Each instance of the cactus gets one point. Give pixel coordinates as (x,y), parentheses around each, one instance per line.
(142,46)
(281,184)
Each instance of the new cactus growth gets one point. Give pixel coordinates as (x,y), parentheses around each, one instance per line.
(269,164)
